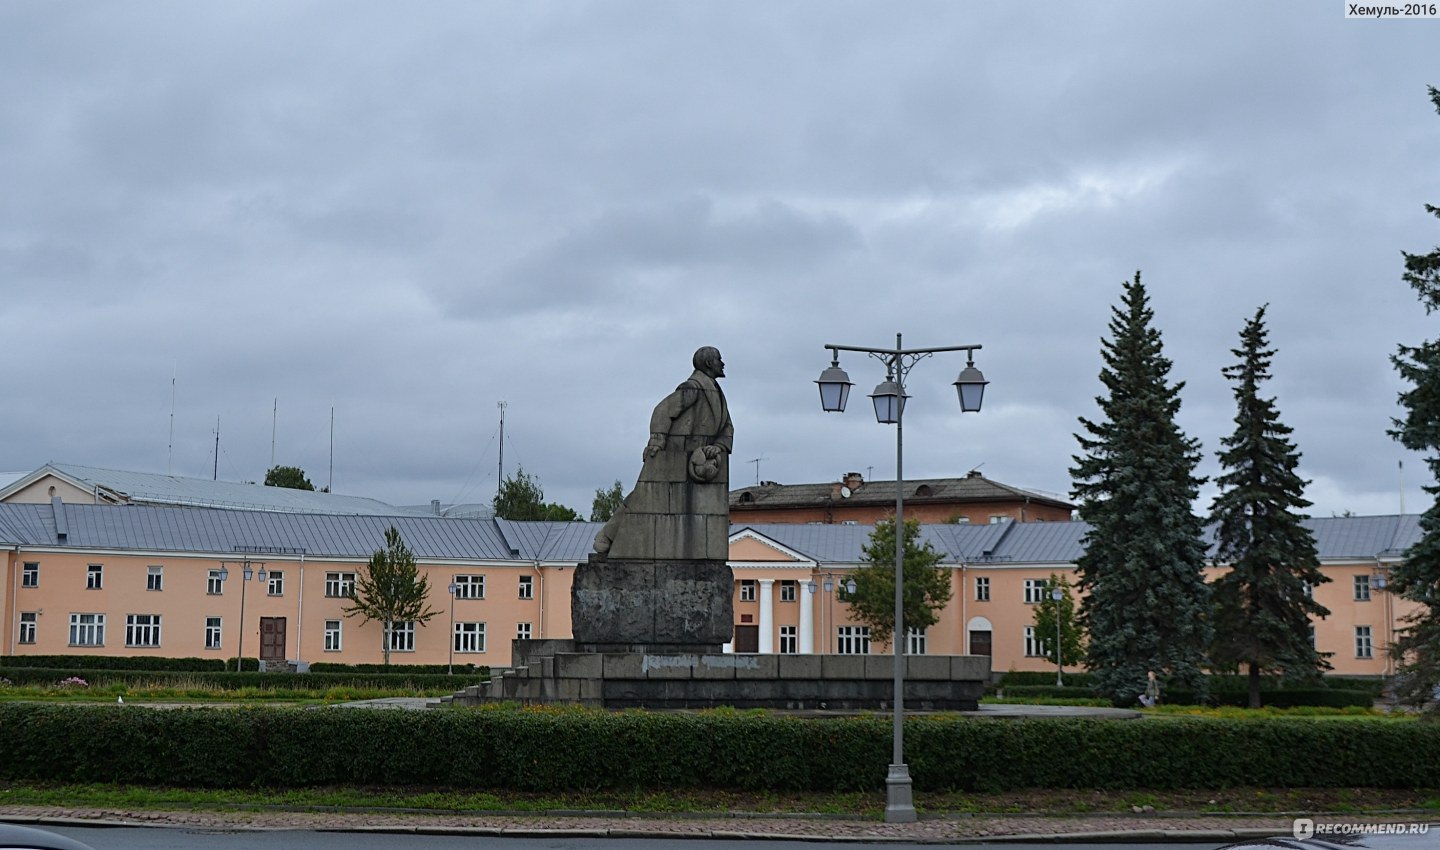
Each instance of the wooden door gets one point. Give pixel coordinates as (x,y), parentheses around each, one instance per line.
(272,638)
(980,643)
(747,638)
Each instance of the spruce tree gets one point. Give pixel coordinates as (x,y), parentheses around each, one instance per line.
(1147,601)
(1417,578)
(1262,605)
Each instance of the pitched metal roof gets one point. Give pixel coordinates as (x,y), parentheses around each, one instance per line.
(225,532)
(155,489)
(971,488)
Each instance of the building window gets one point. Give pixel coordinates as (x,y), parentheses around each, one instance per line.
(747,590)
(522,631)
(469,587)
(915,641)
(213,585)
(27,626)
(789,640)
(142,630)
(154,578)
(996,519)
(1362,588)
(339,584)
(402,636)
(1308,589)
(213,633)
(982,588)
(469,637)
(1033,645)
(87,629)
(1034,590)
(332,635)
(527,587)
(787,590)
(30,575)
(275,583)
(853,640)
(94,576)
(1363,647)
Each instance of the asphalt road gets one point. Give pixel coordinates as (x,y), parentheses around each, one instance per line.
(161,838)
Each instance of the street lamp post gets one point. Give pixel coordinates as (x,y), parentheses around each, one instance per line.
(246,574)
(889,399)
(1056,595)
(452,628)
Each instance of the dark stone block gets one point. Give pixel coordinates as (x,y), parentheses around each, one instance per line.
(652,603)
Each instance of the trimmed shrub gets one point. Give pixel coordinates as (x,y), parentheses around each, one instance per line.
(570,749)
(115,662)
(236,681)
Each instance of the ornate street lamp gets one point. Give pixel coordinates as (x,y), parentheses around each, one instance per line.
(889,399)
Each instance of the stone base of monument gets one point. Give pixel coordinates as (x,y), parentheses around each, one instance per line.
(559,671)
(652,603)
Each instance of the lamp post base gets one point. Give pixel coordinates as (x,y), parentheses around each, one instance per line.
(899,803)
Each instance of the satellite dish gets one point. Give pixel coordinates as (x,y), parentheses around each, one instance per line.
(845,492)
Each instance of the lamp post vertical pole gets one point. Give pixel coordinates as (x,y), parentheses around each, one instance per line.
(240,651)
(1055,596)
(899,803)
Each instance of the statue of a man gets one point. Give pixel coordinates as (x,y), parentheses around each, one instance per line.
(680,507)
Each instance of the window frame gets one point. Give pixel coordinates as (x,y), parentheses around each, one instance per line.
(982,588)
(852,640)
(214,585)
(916,641)
(1034,645)
(155,578)
(1035,590)
(214,633)
(402,633)
(30,574)
(789,642)
(94,628)
(1362,587)
(526,588)
(142,635)
(29,626)
(466,586)
(789,590)
(469,637)
(523,631)
(334,637)
(1364,643)
(275,583)
(95,577)
(342,584)
(748,588)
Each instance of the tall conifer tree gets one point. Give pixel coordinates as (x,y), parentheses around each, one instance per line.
(1417,646)
(1262,607)
(1147,604)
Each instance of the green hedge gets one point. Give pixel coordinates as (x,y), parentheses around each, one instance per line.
(1281,698)
(115,662)
(556,750)
(235,681)
(331,667)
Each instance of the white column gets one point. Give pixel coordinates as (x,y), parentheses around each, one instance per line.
(767,615)
(807,617)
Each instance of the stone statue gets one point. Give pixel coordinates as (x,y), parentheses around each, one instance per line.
(680,509)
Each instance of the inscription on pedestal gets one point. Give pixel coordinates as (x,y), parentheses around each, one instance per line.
(653,603)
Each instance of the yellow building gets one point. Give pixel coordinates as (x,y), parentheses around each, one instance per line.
(85,579)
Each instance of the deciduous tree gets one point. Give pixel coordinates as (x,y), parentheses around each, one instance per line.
(1072,637)
(291,477)
(522,498)
(927,585)
(1147,602)
(389,589)
(1262,602)
(606,503)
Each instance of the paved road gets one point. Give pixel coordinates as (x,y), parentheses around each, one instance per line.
(159,838)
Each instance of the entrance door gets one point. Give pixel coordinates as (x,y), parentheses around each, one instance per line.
(747,638)
(980,643)
(272,638)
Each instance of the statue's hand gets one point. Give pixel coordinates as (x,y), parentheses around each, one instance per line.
(651,450)
(713,451)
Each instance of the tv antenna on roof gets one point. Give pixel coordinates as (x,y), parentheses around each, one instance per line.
(756,461)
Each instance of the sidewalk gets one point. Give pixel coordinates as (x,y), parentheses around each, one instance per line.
(945,829)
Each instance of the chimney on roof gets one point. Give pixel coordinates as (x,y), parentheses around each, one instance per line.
(974,473)
(62,525)
(853,480)
(435,507)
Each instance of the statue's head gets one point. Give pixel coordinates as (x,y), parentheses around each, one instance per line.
(707,360)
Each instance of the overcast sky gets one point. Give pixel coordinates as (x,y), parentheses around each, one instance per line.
(410,212)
